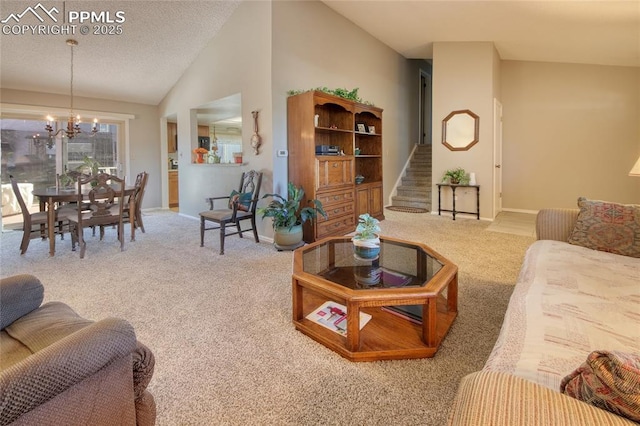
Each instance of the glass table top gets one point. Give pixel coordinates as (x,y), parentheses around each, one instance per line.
(400,264)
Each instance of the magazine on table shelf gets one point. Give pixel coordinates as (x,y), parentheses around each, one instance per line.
(412,313)
(333,316)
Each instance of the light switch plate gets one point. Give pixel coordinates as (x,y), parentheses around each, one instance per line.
(283,153)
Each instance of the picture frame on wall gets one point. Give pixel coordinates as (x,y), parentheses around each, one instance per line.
(361,127)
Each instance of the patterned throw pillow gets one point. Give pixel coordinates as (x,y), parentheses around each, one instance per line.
(609,380)
(243,199)
(610,227)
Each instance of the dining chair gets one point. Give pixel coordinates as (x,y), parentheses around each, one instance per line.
(138,195)
(34,225)
(241,206)
(105,191)
(63,182)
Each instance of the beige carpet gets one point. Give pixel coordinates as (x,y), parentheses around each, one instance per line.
(220,326)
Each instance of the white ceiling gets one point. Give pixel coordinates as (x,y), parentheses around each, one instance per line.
(589,32)
(161,39)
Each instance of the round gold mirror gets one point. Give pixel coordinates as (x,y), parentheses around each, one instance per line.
(460,130)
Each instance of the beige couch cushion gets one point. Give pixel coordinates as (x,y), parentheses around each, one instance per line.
(497,399)
(568,302)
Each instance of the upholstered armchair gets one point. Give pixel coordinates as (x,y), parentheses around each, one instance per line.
(58,368)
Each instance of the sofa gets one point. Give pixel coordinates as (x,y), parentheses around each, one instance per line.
(57,368)
(568,352)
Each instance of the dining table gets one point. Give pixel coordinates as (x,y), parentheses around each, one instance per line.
(51,197)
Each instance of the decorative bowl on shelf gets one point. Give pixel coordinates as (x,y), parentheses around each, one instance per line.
(359,179)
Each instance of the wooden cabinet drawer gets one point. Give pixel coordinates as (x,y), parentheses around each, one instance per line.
(338,226)
(337,210)
(333,172)
(329,199)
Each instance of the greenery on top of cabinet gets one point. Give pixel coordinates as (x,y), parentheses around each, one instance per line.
(351,95)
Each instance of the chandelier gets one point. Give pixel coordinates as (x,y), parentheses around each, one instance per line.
(73,122)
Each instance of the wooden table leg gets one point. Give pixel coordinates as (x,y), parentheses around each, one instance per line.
(353,327)
(51,223)
(452,294)
(132,217)
(429,313)
(297,300)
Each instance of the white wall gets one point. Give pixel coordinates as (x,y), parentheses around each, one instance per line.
(237,60)
(464,76)
(263,51)
(313,46)
(570,130)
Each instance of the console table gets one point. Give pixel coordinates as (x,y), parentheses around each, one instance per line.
(453,191)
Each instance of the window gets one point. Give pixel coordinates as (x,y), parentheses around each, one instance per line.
(32,157)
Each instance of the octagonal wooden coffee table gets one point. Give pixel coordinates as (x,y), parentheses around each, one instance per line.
(406,274)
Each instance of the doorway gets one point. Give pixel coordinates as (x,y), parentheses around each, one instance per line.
(425,108)
(497,157)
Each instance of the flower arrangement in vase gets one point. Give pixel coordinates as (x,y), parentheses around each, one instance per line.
(200,152)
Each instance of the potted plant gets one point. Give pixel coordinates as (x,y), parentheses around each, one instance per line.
(366,242)
(456,176)
(89,166)
(288,216)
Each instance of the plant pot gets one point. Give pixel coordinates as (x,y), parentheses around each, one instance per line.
(368,249)
(367,276)
(287,238)
(199,158)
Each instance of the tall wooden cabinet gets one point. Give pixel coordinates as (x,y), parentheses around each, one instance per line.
(317,119)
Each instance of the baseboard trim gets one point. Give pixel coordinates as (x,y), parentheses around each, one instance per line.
(521,211)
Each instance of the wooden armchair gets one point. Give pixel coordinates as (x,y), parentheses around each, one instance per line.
(241,206)
(105,191)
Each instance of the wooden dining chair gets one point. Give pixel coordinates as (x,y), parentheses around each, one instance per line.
(134,198)
(105,191)
(71,206)
(138,194)
(34,225)
(241,206)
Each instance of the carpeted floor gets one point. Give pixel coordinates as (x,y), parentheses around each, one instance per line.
(220,326)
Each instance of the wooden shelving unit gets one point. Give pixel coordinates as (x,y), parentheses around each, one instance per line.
(331,178)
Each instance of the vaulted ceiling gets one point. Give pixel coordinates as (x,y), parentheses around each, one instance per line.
(160,39)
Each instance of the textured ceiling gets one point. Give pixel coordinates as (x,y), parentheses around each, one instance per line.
(160,39)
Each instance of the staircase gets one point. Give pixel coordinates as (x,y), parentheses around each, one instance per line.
(415,189)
